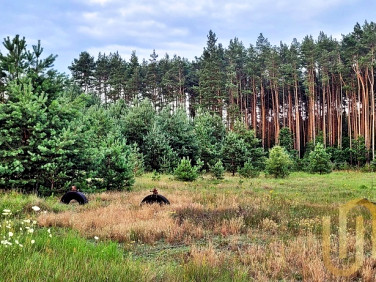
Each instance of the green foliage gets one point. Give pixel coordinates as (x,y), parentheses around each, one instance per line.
(234,151)
(340,157)
(158,155)
(248,170)
(286,139)
(156,176)
(209,133)
(359,151)
(279,162)
(185,171)
(137,122)
(212,76)
(319,160)
(255,153)
(83,70)
(242,145)
(115,167)
(217,170)
(179,132)
(137,159)
(38,145)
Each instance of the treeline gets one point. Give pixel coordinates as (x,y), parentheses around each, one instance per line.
(115,119)
(316,87)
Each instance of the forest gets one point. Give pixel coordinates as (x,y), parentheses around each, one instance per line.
(305,105)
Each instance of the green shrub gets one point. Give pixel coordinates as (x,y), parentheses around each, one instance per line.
(217,170)
(319,160)
(248,170)
(156,176)
(279,163)
(185,171)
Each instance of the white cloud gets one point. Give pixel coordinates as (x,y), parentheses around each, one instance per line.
(185,50)
(100,2)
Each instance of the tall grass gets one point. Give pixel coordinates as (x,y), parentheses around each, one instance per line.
(230,230)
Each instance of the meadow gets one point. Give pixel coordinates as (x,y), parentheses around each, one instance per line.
(234,229)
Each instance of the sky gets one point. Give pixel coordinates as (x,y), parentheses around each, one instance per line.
(68,27)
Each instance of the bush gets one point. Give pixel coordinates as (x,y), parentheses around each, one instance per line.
(137,158)
(185,171)
(248,170)
(217,170)
(319,160)
(279,163)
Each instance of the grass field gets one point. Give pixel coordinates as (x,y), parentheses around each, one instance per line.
(230,230)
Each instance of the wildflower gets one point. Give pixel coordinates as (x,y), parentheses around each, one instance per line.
(34,222)
(96,237)
(30,230)
(10,234)
(26,220)
(50,235)
(16,241)
(8,226)
(35,208)
(32,241)
(20,245)
(49,230)
(6,210)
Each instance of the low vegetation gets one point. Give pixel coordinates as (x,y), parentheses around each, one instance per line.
(235,229)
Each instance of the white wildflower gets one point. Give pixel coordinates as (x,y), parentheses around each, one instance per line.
(30,230)
(8,226)
(32,241)
(16,241)
(34,222)
(20,245)
(26,220)
(6,210)
(35,208)
(10,234)
(50,235)
(49,230)
(96,237)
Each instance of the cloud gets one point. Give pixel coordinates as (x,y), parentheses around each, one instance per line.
(178,27)
(185,50)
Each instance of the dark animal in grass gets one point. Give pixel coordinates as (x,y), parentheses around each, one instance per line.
(155,198)
(74,195)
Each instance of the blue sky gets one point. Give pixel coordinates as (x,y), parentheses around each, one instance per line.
(69,27)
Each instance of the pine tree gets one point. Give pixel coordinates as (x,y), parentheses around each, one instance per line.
(185,171)
(158,155)
(83,70)
(234,152)
(209,132)
(319,160)
(279,163)
(217,170)
(212,76)
(179,132)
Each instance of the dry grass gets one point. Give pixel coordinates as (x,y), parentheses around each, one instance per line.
(261,236)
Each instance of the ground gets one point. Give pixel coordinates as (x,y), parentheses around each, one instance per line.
(235,229)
